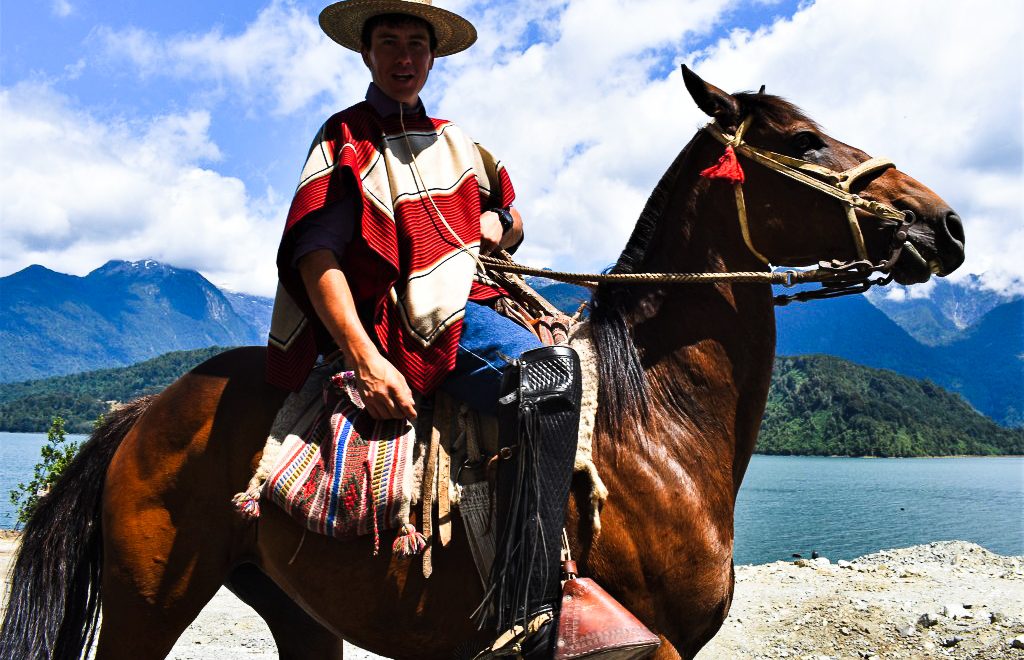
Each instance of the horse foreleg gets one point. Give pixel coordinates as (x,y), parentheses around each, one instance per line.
(298,635)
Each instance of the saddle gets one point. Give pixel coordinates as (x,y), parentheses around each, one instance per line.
(342,474)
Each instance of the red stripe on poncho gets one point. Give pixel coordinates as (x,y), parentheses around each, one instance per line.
(400,234)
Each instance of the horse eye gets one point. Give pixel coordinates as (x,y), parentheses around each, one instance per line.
(807,141)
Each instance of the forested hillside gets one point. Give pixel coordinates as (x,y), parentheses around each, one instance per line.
(818,405)
(81,398)
(823,405)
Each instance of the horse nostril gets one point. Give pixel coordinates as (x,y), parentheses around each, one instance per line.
(955,227)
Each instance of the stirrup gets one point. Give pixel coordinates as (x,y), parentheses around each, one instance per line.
(510,643)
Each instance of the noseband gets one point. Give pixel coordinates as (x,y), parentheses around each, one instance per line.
(852,276)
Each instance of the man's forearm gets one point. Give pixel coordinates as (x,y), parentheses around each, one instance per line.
(382,387)
(331,297)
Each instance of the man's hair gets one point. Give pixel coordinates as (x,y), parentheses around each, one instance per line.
(394,21)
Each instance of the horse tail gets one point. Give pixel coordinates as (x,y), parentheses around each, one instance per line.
(54,604)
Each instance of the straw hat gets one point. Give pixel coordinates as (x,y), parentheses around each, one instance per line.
(343,22)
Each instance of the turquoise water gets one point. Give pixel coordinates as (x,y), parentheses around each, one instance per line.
(840,507)
(848,507)
(19,453)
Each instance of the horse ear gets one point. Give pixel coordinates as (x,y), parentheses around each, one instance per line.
(713,101)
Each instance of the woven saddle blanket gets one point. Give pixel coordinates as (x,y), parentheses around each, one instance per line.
(341,473)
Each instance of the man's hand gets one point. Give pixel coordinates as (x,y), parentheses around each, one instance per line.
(383,389)
(491,232)
(493,237)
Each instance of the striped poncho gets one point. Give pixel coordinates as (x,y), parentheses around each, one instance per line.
(410,277)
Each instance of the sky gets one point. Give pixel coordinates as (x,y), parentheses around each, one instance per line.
(177,131)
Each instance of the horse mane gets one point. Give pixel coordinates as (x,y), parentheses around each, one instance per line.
(623,390)
(623,386)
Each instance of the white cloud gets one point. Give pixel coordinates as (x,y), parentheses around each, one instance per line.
(78,191)
(281,60)
(587,124)
(62,8)
(935,86)
(584,101)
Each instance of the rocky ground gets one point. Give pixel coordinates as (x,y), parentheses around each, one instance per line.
(942,600)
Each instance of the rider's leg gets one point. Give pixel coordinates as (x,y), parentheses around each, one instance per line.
(489,343)
(538,419)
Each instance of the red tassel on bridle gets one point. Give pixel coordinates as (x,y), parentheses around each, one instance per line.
(727,167)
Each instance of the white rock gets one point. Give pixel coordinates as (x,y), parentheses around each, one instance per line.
(842,563)
(821,562)
(906,630)
(953,611)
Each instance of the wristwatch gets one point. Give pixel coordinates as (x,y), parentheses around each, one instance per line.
(505,218)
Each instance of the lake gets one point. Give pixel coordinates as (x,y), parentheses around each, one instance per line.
(841,507)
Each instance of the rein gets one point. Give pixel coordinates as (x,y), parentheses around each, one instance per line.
(838,278)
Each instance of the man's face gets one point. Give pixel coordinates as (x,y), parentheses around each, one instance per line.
(400,59)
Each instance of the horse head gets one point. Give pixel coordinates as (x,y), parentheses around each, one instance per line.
(812,198)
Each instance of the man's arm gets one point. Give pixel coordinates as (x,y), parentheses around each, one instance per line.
(385,393)
(491,236)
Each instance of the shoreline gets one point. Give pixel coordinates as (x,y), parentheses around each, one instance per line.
(891,457)
(947,599)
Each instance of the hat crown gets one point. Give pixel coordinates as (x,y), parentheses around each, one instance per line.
(343,22)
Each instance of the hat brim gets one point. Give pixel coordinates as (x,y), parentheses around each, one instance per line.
(343,22)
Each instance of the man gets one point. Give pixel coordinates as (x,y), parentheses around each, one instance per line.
(378,262)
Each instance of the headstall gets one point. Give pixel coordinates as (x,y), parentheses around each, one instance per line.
(839,278)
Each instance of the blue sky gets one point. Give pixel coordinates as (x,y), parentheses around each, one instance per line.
(175,131)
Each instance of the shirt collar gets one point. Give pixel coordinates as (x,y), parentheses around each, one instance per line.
(388,107)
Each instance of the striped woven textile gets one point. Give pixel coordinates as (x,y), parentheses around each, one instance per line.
(411,266)
(347,474)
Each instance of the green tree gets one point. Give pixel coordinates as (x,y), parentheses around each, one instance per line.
(57,454)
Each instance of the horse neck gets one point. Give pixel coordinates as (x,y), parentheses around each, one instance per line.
(707,350)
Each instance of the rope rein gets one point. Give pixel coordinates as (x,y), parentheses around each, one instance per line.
(837,278)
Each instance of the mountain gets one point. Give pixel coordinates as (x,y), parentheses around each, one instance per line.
(822,405)
(975,338)
(120,313)
(566,297)
(256,310)
(989,363)
(939,314)
(124,312)
(986,365)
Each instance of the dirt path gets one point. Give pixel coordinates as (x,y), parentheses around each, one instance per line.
(943,600)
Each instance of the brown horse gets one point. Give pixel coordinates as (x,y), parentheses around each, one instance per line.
(144,515)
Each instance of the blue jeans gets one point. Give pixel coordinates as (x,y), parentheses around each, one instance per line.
(488,341)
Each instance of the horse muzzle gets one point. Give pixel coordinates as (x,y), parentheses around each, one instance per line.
(934,247)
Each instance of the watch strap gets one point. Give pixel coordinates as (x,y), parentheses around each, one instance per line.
(505,218)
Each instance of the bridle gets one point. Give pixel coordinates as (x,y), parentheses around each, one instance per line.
(852,276)
(837,278)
